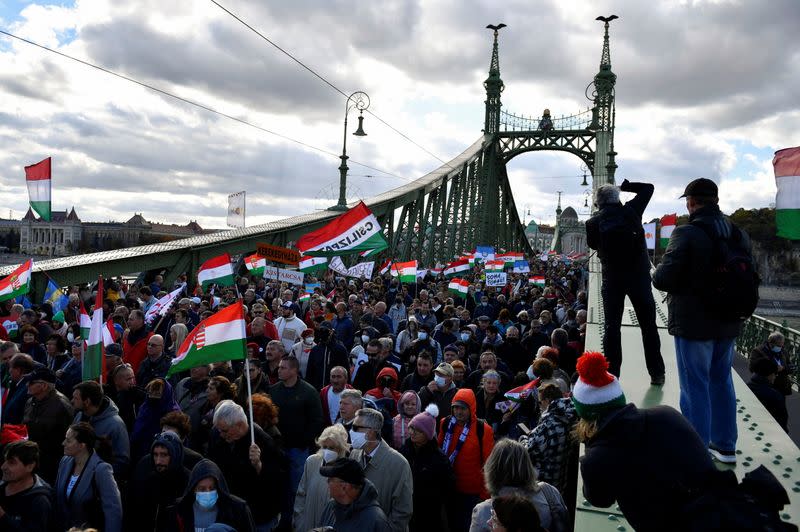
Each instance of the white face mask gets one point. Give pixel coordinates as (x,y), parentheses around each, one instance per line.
(308,340)
(530,373)
(439,380)
(70,337)
(465,337)
(357,439)
(364,339)
(329,455)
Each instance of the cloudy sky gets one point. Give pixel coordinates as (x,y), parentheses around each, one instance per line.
(704,89)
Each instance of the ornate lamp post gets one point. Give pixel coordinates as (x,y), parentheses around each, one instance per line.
(358,100)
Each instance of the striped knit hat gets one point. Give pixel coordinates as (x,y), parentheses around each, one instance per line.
(597,391)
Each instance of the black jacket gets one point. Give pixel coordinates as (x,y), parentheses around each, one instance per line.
(433,484)
(28,511)
(320,361)
(231,510)
(681,272)
(772,399)
(645,459)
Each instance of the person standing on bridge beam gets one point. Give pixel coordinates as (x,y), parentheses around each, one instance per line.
(617,235)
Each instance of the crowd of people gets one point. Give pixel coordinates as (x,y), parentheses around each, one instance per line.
(376,405)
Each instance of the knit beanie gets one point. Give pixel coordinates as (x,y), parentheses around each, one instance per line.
(59,317)
(597,391)
(425,421)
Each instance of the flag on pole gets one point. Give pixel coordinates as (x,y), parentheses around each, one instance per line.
(236,204)
(787,202)
(385,266)
(92,366)
(312,264)
(407,271)
(55,296)
(520,393)
(650,235)
(305,297)
(458,286)
(668,223)
(217,270)
(108,333)
(457,266)
(162,306)
(522,266)
(352,232)
(37,177)
(495,265)
(484,253)
(18,283)
(370,252)
(10,325)
(84,322)
(255,264)
(538,280)
(216,338)
(510,257)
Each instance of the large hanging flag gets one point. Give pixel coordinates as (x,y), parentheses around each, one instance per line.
(355,231)
(236,204)
(787,201)
(312,264)
(18,283)
(668,223)
(650,235)
(37,177)
(215,339)
(495,265)
(370,252)
(458,286)
(217,270)
(92,361)
(484,253)
(457,266)
(162,306)
(407,271)
(55,296)
(256,264)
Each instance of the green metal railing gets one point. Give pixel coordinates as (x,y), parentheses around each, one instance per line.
(755,333)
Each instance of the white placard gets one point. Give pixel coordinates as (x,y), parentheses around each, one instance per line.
(496,278)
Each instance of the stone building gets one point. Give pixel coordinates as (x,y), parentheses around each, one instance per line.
(540,237)
(570,233)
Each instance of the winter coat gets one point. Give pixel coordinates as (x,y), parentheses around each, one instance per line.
(150,369)
(134,348)
(14,404)
(300,419)
(150,493)
(549,442)
(377,391)
(28,511)
(489,412)
(553,514)
(682,274)
(108,424)
(620,455)
(401,421)
(320,361)
(390,474)
(231,510)
(192,397)
(397,314)
(48,421)
(128,402)
(363,515)
(70,375)
(443,399)
(415,382)
(345,330)
(468,465)
(434,483)
(773,400)
(260,385)
(783,379)
(148,422)
(82,507)
(262,491)
(312,495)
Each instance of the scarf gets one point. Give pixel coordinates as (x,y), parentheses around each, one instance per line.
(448,436)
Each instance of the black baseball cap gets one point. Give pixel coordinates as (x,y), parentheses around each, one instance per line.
(701,187)
(345,469)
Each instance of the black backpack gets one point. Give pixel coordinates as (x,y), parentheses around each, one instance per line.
(621,234)
(731,287)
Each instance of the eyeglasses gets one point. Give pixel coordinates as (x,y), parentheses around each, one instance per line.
(359,428)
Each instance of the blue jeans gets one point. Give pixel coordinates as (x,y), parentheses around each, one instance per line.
(707,397)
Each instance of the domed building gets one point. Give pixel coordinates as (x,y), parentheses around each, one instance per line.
(570,233)
(540,237)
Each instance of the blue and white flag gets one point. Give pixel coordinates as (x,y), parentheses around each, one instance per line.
(55,296)
(521,266)
(484,253)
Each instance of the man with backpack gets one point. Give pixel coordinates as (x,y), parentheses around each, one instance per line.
(615,231)
(712,287)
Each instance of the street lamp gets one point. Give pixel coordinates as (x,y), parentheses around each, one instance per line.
(358,100)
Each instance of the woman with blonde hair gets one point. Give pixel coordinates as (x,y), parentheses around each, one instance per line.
(177,334)
(312,492)
(509,471)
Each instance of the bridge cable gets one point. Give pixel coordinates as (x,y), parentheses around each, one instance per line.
(325,81)
(196,104)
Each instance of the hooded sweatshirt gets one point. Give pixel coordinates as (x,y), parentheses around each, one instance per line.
(401,421)
(107,423)
(29,510)
(363,515)
(468,464)
(377,391)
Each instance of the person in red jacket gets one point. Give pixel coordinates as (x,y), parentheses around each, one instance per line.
(386,388)
(467,442)
(134,344)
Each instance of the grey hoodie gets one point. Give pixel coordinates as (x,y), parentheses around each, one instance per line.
(363,515)
(107,423)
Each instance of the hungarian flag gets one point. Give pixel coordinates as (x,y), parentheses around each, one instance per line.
(108,333)
(511,257)
(18,283)
(538,280)
(215,339)
(84,322)
(312,264)
(458,286)
(407,271)
(37,177)
(370,252)
(304,297)
(385,266)
(457,266)
(787,202)
(520,393)
(217,271)
(355,231)
(162,306)
(668,223)
(92,362)
(495,265)
(255,264)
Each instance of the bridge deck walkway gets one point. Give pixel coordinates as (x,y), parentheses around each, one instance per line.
(761,440)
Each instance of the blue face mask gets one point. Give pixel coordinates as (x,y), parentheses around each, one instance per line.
(422,335)
(776,349)
(206,499)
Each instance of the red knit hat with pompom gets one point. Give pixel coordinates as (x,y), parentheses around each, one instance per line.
(597,390)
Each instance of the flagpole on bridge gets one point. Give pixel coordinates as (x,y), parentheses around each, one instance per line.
(249,399)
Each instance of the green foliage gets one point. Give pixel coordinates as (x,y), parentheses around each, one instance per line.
(760,225)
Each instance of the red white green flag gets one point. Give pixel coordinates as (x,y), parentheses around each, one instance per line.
(538,280)
(385,266)
(355,231)
(495,265)
(668,223)
(520,393)
(457,266)
(255,264)
(215,339)
(312,264)
(787,202)
(510,257)
(18,283)
(458,286)
(407,271)
(92,361)
(85,323)
(37,177)
(217,270)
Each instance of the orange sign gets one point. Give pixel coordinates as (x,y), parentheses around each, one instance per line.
(278,254)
